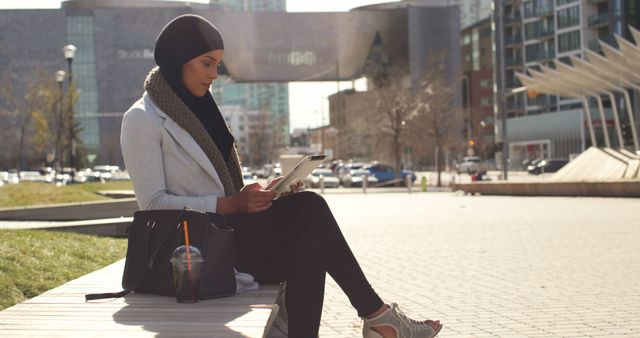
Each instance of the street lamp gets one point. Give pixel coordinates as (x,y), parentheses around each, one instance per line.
(69,53)
(60,76)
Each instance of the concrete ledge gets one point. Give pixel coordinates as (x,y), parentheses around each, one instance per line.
(72,211)
(619,188)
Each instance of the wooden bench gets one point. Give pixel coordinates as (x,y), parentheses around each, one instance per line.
(63,312)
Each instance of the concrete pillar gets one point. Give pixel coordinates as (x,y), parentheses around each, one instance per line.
(603,118)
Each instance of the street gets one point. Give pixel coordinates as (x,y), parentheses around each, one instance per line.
(493,266)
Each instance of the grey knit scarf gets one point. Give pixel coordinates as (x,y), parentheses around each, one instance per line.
(229,172)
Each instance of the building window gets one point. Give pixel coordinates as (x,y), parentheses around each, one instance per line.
(568,41)
(569,17)
(486,83)
(534,52)
(564,2)
(488,101)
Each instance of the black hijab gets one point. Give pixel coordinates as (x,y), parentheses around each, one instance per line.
(181,40)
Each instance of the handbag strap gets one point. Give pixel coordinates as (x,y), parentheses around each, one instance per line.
(149,266)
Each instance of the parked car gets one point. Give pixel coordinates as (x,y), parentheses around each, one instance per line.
(11,176)
(330,179)
(7,177)
(548,166)
(91,176)
(107,172)
(342,170)
(356,177)
(384,173)
(469,165)
(35,176)
(249,178)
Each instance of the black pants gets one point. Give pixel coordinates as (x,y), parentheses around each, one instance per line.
(297,240)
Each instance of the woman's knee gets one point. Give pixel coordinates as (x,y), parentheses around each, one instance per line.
(308,252)
(308,199)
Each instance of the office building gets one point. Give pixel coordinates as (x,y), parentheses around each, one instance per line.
(477,88)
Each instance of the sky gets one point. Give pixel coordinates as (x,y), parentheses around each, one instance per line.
(308,103)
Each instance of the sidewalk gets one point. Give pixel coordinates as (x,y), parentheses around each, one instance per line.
(495,266)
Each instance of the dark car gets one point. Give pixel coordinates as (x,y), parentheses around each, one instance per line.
(384,173)
(547,166)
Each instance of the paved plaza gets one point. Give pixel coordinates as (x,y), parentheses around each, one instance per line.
(493,266)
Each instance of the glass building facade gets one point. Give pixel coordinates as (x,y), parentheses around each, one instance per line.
(80,33)
(272,97)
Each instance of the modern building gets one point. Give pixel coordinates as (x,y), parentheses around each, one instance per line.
(272,97)
(541,33)
(353,130)
(115,42)
(253,131)
(471,11)
(351,115)
(477,88)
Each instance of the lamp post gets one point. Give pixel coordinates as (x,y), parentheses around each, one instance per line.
(60,76)
(69,53)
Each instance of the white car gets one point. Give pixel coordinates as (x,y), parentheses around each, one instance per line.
(35,176)
(9,177)
(330,180)
(469,165)
(356,177)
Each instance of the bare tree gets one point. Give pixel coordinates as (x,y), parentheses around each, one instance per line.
(394,107)
(438,116)
(23,103)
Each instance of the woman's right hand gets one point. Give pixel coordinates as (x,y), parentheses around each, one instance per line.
(251,199)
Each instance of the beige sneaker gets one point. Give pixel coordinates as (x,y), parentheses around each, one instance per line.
(404,326)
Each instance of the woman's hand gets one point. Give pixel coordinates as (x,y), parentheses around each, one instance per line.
(293,188)
(251,199)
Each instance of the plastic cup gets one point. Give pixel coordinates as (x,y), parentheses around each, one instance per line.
(186,274)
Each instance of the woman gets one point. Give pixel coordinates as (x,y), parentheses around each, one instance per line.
(179,151)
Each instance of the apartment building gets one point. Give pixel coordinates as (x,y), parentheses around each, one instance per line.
(539,33)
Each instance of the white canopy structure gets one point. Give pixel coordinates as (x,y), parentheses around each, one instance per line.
(616,72)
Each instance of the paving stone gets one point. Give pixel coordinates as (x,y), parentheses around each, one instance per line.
(511,266)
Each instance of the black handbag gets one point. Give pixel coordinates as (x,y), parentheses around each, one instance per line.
(152,237)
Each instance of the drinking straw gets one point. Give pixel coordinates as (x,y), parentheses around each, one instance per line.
(186,242)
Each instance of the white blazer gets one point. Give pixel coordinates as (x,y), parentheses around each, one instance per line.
(168,168)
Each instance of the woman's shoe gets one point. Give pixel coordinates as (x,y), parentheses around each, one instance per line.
(404,326)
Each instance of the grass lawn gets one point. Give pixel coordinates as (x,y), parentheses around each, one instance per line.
(31,193)
(34,261)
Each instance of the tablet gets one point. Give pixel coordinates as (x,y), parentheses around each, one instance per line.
(298,173)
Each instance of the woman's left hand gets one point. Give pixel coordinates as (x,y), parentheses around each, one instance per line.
(295,187)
